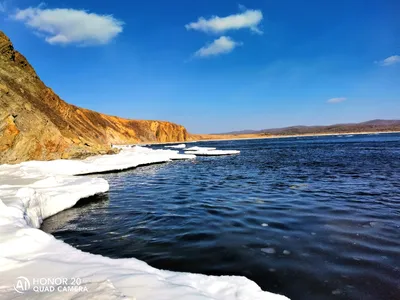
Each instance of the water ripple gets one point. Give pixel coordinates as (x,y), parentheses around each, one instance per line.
(311,218)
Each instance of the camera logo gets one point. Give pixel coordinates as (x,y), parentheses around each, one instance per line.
(22,285)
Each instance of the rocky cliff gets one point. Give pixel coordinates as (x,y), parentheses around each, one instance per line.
(36,124)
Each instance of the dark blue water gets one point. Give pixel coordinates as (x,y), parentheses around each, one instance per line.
(310,218)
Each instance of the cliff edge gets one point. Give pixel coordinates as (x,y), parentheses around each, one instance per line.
(36,124)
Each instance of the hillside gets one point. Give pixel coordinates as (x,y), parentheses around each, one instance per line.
(36,124)
(369,126)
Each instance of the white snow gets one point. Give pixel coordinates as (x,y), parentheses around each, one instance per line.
(171,154)
(32,191)
(180,146)
(205,152)
(209,151)
(196,148)
(126,159)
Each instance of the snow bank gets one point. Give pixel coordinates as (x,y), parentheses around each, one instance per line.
(32,191)
(128,158)
(180,146)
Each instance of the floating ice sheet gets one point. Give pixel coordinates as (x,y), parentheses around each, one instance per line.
(202,152)
(196,148)
(180,146)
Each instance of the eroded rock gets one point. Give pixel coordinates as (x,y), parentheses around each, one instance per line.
(46,127)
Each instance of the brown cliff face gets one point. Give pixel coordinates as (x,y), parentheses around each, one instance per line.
(36,124)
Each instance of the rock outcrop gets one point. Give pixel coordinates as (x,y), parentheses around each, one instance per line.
(36,124)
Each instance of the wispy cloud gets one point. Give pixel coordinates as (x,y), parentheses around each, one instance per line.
(391,60)
(70,26)
(222,45)
(247,19)
(3,6)
(336,100)
(242,7)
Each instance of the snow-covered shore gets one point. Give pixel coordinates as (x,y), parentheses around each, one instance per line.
(33,191)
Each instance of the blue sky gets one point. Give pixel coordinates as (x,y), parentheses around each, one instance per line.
(243,65)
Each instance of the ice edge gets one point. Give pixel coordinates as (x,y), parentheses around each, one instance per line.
(33,191)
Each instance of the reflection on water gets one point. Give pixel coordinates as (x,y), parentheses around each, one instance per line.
(310,218)
(70,218)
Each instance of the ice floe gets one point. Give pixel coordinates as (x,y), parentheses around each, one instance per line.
(205,152)
(180,146)
(196,148)
(209,151)
(31,260)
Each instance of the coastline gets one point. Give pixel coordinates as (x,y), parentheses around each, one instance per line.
(33,191)
(259,137)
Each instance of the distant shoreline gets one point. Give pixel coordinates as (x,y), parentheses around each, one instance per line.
(259,137)
(300,135)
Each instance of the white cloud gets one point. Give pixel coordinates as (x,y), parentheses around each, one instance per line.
(336,100)
(3,7)
(391,60)
(70,26)
(247,19)
(222,45)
